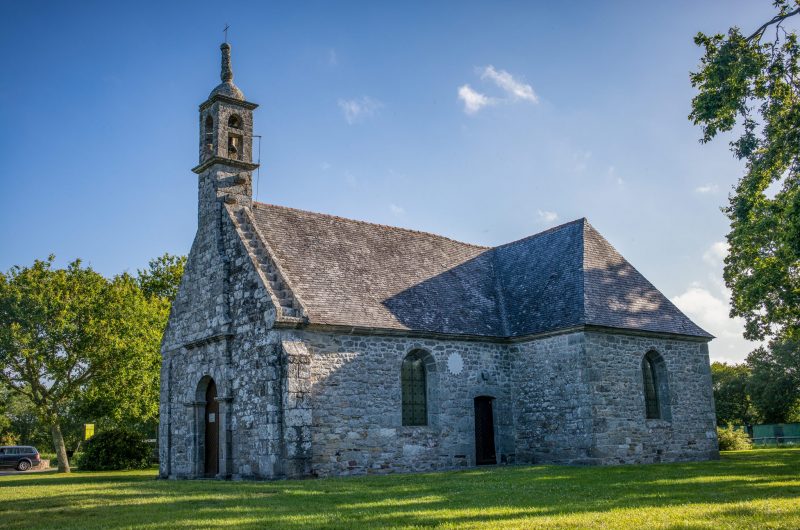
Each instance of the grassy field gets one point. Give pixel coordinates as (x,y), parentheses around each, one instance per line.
(749,489)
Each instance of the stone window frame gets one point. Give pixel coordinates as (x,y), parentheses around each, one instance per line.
(431,387)
(653,363)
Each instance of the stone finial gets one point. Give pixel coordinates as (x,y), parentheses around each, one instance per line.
(227,88)
(227,72)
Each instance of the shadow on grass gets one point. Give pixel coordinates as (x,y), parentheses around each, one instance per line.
(464,497)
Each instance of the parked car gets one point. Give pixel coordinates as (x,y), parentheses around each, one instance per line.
(21,457)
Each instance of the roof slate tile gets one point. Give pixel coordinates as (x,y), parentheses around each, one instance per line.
(358,274)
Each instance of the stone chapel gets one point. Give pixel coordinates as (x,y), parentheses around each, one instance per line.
(305,344)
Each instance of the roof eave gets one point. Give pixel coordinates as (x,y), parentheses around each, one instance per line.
(366,330)
(247,166)
(226,99)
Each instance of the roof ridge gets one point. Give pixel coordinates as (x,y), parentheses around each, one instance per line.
(582,282)
(547,231)
(501,297)
(359,221)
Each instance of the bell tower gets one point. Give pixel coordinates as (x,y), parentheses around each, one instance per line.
(226,146)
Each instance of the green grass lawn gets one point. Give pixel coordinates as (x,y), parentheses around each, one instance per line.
(748,489)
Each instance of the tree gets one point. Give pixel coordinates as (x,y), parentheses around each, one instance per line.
(775,380)
(129,398)
(70,335)
(752,83)
(7,434)
(731,395)
(162,277)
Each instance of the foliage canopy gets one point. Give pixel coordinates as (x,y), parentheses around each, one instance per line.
(732,394)
(74,344)
(752,84)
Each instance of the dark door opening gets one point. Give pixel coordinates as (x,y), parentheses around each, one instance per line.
(212,431)
(484,432)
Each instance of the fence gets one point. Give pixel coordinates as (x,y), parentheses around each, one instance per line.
(777,434)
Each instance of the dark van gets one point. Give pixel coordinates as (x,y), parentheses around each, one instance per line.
(21,457)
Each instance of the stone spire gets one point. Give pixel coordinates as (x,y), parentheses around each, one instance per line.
(227,71)
(227,88)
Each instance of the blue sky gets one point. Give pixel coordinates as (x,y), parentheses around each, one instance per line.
(482,121)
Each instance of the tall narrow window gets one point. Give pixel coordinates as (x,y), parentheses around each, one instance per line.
(414,389)
(208,135)
(652,410)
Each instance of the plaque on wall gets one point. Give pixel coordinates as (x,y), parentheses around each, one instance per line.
(455,363)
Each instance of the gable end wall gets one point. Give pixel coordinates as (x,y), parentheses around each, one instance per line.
(221,326)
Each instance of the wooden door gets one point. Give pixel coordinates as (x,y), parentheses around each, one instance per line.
(484,432)
(212,431)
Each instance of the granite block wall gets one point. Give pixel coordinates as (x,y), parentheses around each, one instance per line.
(552,404)
(221,327)
(622,434)
(357,411)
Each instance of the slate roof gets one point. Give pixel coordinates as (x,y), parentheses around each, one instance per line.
(357,274)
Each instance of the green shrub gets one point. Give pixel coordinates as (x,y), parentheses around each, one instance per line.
(731,439)
(113,450)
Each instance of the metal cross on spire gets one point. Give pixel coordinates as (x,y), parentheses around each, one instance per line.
(226,32)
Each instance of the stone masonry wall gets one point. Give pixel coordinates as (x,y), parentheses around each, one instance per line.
(236,347)
(356,402)
(552,406)
(579,399)
(621,432)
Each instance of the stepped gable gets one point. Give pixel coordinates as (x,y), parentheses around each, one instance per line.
(358,274)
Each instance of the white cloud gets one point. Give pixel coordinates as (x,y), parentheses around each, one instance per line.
(356,110)
(711,310)
(547,217)
(397,210)
(350,179)
(514,90)
(473,101)
(712,314)
(716,253)
(708,188)
(333,59)
(506,81)
(325,166)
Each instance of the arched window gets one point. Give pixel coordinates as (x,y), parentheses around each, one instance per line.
(413,379)
(650,394)
(235,121)
(656,389)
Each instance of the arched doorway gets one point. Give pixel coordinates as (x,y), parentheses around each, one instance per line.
(484,431)
(212,431)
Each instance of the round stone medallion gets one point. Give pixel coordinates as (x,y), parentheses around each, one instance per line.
(455,363)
